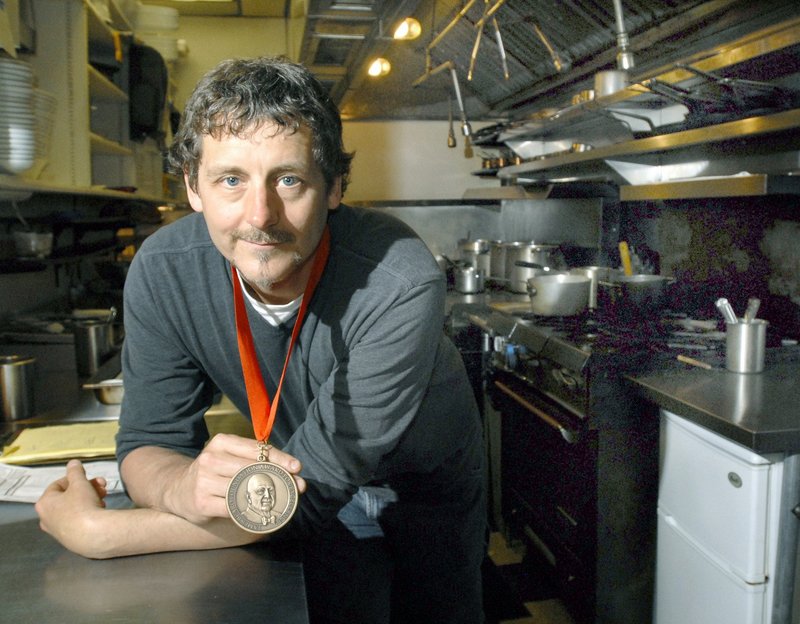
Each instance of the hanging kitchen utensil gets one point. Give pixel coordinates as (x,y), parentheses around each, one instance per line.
(499,38)
(451,135)
(466,128)
(477,43)
(488,13)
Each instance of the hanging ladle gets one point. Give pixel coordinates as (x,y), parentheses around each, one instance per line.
(451,135)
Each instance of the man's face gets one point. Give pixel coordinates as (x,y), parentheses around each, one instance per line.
(261,492)
(265,204)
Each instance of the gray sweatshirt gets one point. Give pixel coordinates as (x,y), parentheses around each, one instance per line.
(375,392)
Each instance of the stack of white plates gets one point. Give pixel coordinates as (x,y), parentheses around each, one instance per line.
(155,18)
(155,25)
(166,46)
(44,108)
(17,120)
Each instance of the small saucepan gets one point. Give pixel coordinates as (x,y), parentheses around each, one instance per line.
(558,294)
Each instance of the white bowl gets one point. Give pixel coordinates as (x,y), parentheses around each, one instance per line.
(33,244)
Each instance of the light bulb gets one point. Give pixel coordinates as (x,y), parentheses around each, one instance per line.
(379,67)
(408,29)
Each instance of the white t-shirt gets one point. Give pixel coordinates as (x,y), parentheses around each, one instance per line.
(273,314)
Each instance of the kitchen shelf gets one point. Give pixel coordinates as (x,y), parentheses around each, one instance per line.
(731,144)
(644,140)
(102,88)
(22,265)
(102,145)
(748,185)
(18,189)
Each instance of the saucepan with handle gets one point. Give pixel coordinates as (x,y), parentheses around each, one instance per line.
(635,295)
(559,294)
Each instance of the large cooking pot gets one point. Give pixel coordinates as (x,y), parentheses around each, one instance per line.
(497,260)
(468,279)
(634,294)
(521,255)
(559,294)
(595,274)
(475,253)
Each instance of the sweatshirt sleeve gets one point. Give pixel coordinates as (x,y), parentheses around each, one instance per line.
(166,393)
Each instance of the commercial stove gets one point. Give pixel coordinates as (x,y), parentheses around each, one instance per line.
(578,449)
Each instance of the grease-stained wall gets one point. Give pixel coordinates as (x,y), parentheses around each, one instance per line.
(736,248)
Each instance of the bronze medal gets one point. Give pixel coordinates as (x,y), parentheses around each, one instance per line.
(262,497)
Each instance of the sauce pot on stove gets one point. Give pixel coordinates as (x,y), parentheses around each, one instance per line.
(559,294)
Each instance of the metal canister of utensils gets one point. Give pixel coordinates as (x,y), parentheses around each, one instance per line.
(17,375)
(745,346)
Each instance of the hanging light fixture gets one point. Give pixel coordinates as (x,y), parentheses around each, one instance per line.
(408,29)
(379,67)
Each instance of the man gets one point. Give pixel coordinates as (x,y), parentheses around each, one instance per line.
(376,420)
(260,500)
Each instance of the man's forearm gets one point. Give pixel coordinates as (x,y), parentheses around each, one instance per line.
(123,532)
(151,474)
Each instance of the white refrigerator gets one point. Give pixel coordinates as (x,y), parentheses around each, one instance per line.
(718,522)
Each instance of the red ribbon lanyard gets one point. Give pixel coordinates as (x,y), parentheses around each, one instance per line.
(262,412)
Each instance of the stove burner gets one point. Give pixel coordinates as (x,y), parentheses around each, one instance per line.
(595,331)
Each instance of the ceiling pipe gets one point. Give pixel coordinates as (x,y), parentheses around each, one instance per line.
(489,13)
(558,64)
(432,72)
(624,56)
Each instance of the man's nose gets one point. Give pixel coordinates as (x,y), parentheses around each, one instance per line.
(263,207)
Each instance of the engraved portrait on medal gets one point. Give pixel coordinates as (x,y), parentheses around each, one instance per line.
(262,497)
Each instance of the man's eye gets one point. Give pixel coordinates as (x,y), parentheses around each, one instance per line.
(230,181)
(288,180)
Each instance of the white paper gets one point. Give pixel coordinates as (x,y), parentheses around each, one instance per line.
(23,484)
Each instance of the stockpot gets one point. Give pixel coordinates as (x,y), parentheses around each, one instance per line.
(468,279)
(560,294)
(521,257)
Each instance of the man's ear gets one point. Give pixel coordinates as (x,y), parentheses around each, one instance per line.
(194,199)
(335,194)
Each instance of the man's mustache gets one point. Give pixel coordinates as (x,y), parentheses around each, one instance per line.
(260,237)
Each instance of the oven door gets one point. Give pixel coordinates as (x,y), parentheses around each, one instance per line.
(548,482)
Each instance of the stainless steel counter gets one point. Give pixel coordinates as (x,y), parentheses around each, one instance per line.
(42,582)
(760,411)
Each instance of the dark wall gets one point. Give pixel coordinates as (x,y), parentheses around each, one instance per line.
(734,248)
